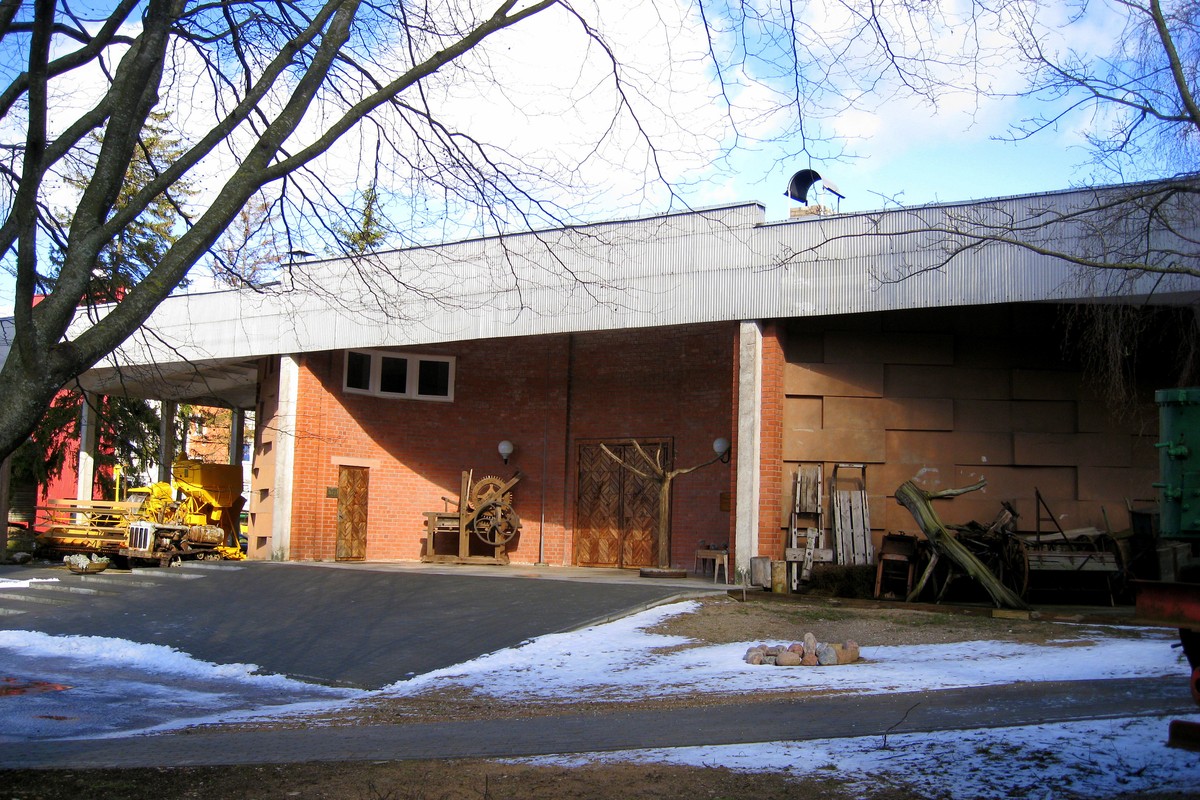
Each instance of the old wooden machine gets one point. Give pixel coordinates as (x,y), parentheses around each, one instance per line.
(479,531)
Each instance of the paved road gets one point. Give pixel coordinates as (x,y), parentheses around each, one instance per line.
(363,627)
(369,626)
(799,719)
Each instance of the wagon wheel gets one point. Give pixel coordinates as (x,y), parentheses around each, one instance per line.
(1118,584)
(496,524)
(1016,566)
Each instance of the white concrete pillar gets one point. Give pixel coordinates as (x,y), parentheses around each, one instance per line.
(285,457)
(167,445)
(749,446)
(85,476)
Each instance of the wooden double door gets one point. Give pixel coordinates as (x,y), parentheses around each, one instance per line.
(616,509)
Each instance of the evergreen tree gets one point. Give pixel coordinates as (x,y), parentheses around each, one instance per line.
(127,434)
(139,247)
(370,232)
(127,428)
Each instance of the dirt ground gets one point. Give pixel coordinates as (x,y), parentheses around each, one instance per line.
(718,621)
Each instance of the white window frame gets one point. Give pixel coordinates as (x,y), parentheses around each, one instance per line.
(412,376)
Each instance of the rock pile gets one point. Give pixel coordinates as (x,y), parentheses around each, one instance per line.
(809,653)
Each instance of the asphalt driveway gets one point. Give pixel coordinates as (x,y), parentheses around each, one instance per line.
(364,627)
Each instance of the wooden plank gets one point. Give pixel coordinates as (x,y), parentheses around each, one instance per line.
(808,491)
(809,547)
(841,527)
(1072,562)
(860,527)
(852,519)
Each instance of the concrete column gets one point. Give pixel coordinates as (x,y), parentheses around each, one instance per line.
(749,443)
(285,457)
(85,477)
(167,446)
(237,421)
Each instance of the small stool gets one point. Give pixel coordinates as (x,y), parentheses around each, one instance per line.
(720,559)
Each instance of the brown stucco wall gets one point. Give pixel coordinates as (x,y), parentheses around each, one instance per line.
(947,397)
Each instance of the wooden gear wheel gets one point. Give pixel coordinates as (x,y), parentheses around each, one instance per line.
(496,523)
(488,485)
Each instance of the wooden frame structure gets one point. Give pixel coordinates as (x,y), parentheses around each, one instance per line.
(461,526)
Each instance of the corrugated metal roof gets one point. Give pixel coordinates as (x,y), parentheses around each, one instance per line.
(720,264)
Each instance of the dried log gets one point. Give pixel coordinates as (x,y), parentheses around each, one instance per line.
(916,500)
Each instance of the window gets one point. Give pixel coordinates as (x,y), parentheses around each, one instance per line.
(387,374)
(393,375)
(358,371)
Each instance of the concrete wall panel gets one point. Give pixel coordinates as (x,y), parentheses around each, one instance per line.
(888,347)
(836,445)
(908,380)
(844,380)
(1084,449)
(921,447)
(917,414)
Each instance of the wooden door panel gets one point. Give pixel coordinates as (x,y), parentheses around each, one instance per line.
(352,514)
(639,503)
(599,528)
(617,509)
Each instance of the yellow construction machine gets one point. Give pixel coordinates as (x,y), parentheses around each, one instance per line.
(195,516)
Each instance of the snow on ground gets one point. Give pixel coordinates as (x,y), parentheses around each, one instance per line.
(14,583)
(114,687)
(1099,758)
(621,660)
(119,688)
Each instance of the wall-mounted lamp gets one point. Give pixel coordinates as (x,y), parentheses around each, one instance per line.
(723,450)
(505,448)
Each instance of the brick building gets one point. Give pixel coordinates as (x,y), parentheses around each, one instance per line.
(400,370)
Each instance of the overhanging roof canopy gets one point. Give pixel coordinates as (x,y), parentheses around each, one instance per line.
(721,264)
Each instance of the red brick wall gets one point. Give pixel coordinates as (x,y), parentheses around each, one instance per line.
(770,535)
(663,382)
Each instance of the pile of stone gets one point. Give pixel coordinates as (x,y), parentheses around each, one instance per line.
(809,653)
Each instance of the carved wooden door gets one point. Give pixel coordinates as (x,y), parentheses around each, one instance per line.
(617,509)
(352,514)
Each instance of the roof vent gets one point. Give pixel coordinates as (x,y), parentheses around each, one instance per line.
(803,181)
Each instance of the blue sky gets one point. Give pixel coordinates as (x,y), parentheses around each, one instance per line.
(897,150)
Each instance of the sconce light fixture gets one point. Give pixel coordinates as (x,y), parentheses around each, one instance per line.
(723,449)
(505,448)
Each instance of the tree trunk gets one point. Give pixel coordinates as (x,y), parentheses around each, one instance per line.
(663,535)
(944,542)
